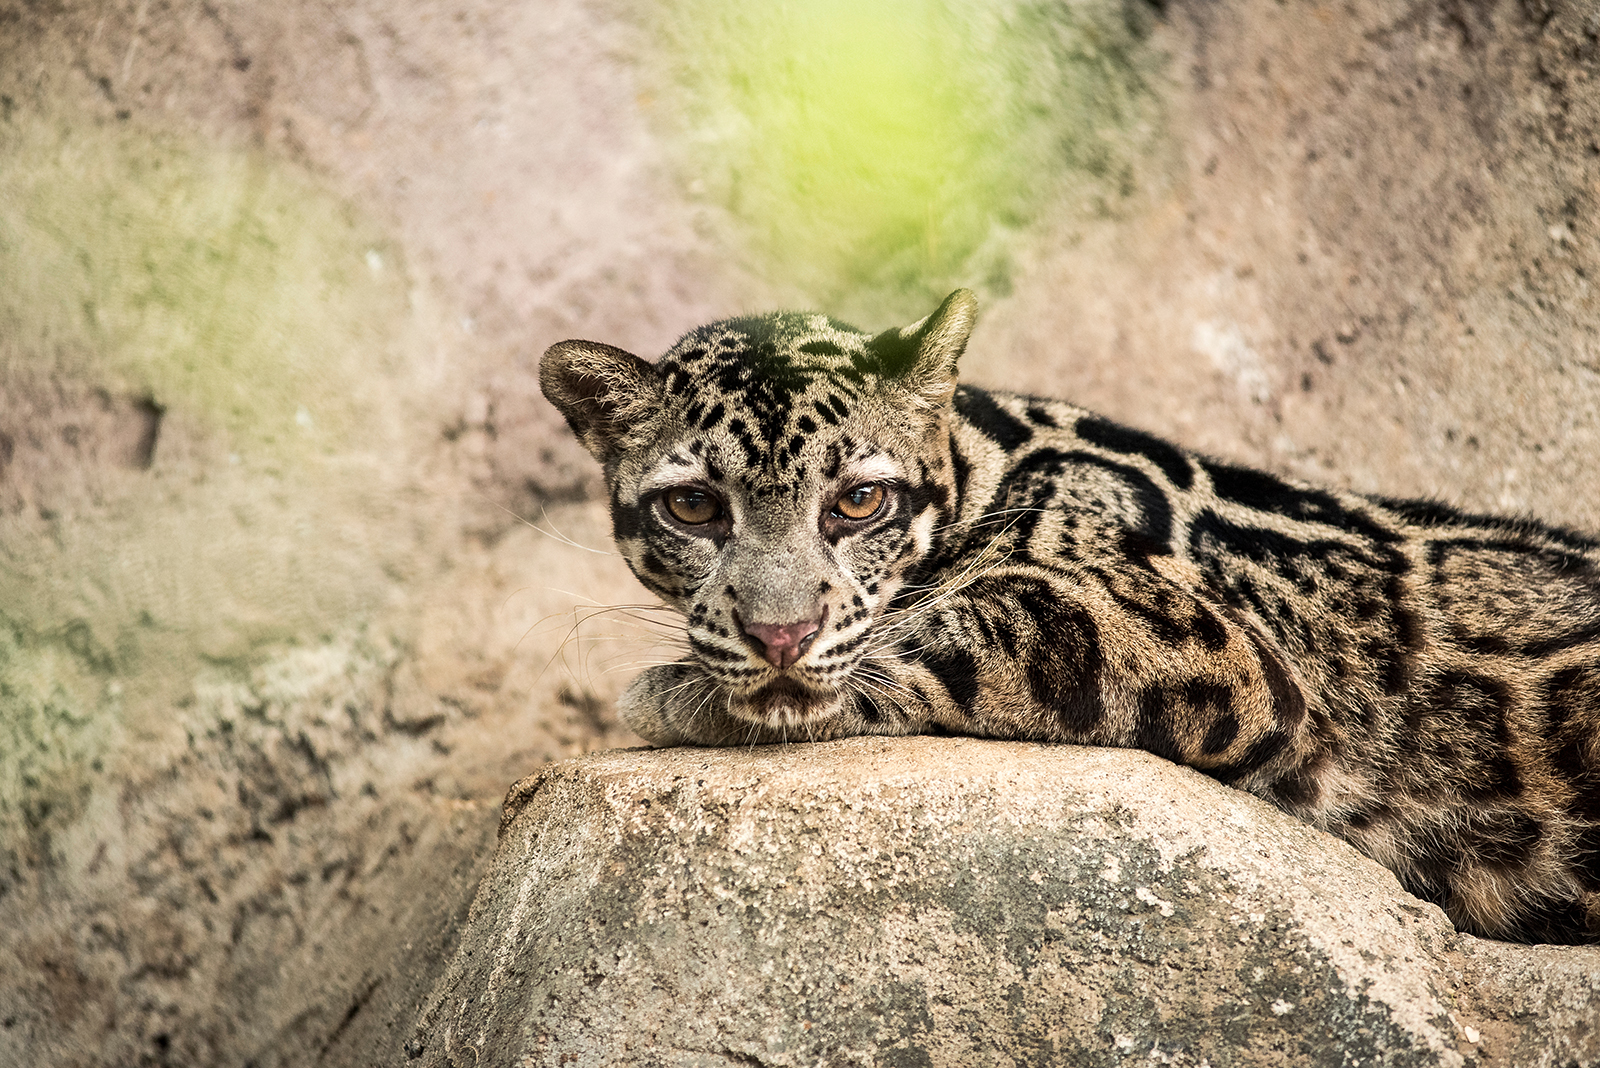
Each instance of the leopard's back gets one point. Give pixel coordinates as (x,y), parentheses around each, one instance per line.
(1449,663)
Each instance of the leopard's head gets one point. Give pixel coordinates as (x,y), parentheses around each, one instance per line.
(775,479)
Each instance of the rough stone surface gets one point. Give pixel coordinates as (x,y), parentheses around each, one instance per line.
(960,902)
(1373,261)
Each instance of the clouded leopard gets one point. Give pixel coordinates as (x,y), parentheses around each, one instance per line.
(859,545)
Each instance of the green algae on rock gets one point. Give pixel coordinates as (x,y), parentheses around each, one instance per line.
(897,146)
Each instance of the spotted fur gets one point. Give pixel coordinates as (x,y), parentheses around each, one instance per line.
(1422,682)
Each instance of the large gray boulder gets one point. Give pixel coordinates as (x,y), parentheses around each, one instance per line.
(946,901)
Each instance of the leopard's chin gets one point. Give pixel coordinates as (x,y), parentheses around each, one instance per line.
(784,702)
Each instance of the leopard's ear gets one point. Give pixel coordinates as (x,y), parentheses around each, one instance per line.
(922,357)
(611,398)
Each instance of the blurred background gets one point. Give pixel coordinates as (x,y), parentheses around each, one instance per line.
(298,572)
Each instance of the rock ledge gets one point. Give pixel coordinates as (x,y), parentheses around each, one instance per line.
(949,901)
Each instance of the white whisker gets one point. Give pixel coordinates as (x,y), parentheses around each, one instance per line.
(551,533)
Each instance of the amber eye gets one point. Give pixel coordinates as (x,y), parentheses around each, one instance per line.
(862,502)
(694,507)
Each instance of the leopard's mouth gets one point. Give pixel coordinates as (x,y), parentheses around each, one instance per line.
(783,702)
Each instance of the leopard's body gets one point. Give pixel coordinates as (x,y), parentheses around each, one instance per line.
(860,546)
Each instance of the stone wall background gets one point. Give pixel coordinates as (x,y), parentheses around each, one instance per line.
(296,567)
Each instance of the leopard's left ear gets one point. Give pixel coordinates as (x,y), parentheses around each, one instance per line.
(923,356)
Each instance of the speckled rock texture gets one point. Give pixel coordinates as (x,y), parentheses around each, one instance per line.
(928,901)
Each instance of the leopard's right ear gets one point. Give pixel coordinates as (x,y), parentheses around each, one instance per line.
(922,357)
(611,398)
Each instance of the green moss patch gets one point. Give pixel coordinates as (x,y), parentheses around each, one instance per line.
(266,325)
(209,279)
(897,146)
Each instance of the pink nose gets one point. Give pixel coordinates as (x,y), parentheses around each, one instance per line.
(783,643)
